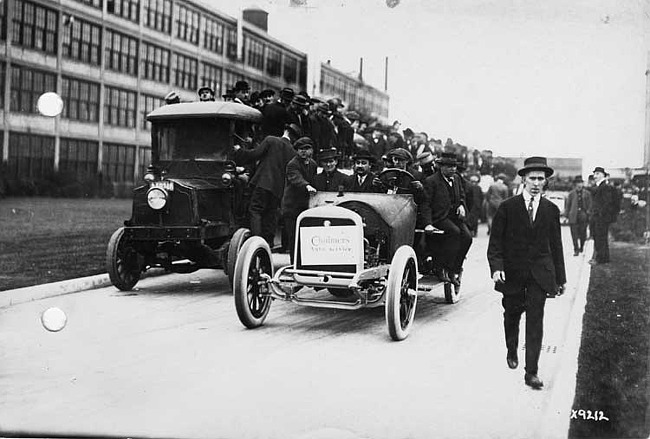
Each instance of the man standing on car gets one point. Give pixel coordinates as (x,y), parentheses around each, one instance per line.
(604,210)
(527,263)
(298,186)
(267,182)
(578,203)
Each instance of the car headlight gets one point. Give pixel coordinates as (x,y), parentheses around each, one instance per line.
(226,179)
(149,177)
(156,198)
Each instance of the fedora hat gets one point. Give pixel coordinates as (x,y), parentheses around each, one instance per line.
(535,164)
(447,158)
(300,100)
(363,153)
(327,154)
(242,86)
(599,169)
(287,93)
(578,179)
(303,143)
(205,88)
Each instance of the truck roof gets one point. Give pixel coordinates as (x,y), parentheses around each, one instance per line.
(210,109)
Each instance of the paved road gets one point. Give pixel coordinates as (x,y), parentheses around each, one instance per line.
(172,360)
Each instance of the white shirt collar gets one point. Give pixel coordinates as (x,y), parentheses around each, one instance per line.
(527,196)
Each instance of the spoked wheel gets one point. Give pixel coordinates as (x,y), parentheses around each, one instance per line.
(234,247)
(252,296)
(452,292)
(122,262)
(401,293)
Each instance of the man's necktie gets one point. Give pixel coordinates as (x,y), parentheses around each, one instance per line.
(530,210)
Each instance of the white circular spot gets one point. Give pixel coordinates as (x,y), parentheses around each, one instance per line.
(50,104)
(53,319)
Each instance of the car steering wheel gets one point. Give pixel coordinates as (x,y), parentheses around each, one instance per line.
(394,179)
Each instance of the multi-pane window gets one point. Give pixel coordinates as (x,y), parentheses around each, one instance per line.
(78,157)
(229,79)
(290,67)
(34,26)
(119,107)
(3,21)
(187,24)
(184,71)
(118,162)
(273,61)
(302,78)
(211,76)
(80,100)
(255,53)
(148,103)
(94,3)
(121,53)
(213,35)
(82,41)
(30,155)
(129,9)
(231,44)
(155,63)
(26,87)
(158,15)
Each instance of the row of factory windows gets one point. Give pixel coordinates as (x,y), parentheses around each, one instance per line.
(35,27)
(33,156)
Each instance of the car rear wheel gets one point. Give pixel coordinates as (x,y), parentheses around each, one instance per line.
(234,247)
(250,289)
(401,293)
(122,262)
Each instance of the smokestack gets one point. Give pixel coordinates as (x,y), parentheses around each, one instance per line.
(386,76)
(361,69)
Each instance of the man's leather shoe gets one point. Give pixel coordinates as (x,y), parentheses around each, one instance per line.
(533,381)
(512,360)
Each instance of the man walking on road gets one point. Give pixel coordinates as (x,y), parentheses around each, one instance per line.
(604,210)
(527,263)
(578,203)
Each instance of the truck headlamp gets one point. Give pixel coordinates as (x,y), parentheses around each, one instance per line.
(156,198)
(226,179)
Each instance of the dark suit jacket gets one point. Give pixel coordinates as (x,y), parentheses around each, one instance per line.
(352,184)
(298,176)
(605,203)
(441,201)
(520,249)
(275,117)
(273,154)
(331,182)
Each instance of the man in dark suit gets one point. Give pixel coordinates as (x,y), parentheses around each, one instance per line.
(527,263)
(578,204)
(444,208)
(267,182)
(298,186)
(604,210)
(276,114)
(330,178)
(363,180)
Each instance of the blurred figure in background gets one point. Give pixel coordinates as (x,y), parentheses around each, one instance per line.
(578,204)
(496,194)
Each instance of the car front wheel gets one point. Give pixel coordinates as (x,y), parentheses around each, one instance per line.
(401,293)
(122,262)
(234,247)
(250,287)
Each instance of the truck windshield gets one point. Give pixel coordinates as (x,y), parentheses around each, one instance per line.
(193,139)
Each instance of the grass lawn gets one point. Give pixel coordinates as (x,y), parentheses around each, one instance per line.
(50,239)
(614,353)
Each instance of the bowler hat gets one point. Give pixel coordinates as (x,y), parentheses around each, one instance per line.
(535,164)
(363,153)
(205,88)
(578,179)
(400,153)
(303,143)
(335,103)
(424,158)
(267,93)
(599,169)
(300,100)
(242,86)
(447,159)
(408,132)
(287,93)
(326,154)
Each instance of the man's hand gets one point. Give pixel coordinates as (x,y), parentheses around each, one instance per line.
(311,189)
(417,185)
(499,276)
(561,289)
(376,182)
(460,211)
(236,147)
(428,228)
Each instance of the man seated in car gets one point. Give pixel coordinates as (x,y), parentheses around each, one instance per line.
(329,179)
(363,179)
(444,208)
(399,158)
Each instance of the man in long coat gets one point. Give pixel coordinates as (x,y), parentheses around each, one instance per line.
(527,263)
(604,210)
(578,204)
(272,155)
(300,174)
